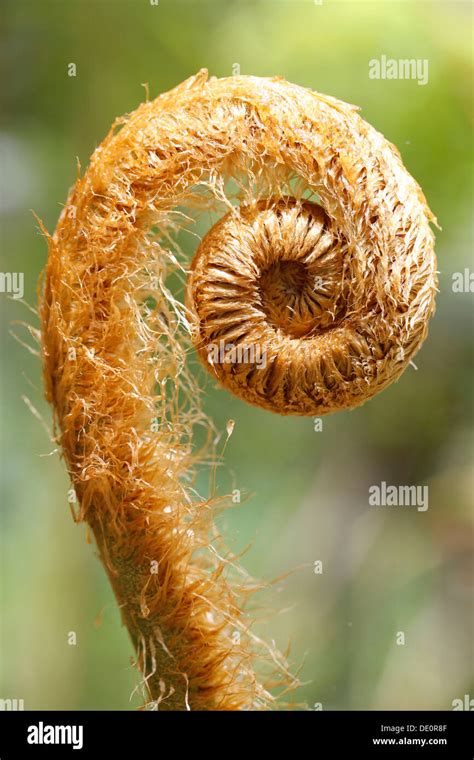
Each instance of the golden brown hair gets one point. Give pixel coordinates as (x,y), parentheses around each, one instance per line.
(326,265)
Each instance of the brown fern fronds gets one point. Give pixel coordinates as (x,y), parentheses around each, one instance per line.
(314,288)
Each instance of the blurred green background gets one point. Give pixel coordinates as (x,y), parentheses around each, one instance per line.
(386,570)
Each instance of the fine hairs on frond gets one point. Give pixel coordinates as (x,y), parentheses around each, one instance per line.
(317,282)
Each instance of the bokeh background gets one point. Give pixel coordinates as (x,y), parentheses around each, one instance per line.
(385,570)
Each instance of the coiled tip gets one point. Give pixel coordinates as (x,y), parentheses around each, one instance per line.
(276,316)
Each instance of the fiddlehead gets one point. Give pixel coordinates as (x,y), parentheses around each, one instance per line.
(336,294)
